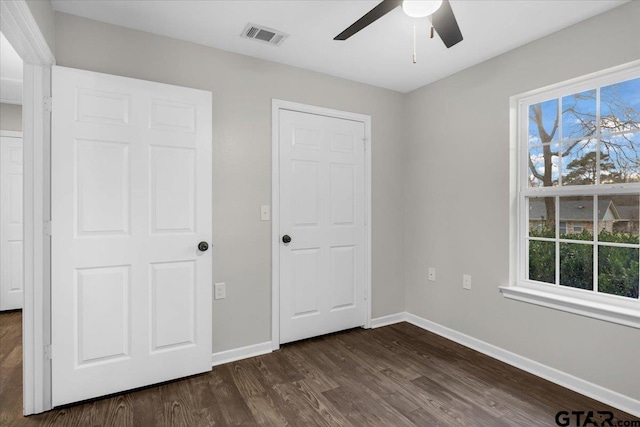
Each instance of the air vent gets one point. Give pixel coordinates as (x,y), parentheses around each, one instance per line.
(264,34)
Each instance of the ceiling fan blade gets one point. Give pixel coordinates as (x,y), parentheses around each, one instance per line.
(373,15)
(444,21)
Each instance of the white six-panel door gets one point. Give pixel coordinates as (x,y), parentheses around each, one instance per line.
(11,280)
(131,200)
(322,195)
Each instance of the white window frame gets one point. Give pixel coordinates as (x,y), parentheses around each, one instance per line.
(612,308)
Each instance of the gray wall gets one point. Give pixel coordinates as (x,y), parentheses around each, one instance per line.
(457,204)
(455,209)
(242,91)
(10,117)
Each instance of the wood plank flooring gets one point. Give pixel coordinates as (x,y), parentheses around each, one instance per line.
(399,375)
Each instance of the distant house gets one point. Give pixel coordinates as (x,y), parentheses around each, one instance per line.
(577,215)
(628,219)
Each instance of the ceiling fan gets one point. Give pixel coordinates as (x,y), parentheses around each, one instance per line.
(442,18)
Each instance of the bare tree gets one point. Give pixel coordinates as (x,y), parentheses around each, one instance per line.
(618,123)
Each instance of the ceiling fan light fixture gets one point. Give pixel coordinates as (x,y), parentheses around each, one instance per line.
(420,8)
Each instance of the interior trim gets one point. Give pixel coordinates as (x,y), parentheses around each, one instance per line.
(586,388)
(276,106)
(607,312)
(11,133)
(390,319)
(21,30)
(240,353)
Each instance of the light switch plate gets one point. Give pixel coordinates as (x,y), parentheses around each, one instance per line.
(219,290)
(265,213)
(432,274)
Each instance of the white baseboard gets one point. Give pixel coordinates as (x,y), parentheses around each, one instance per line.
(236,354)
(388,320)
(594,391)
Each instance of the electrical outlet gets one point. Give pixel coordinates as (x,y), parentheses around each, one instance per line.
(220,291)
(432,274)
(466,281)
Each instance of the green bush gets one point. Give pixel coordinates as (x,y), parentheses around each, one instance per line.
(618,267)
(618,271)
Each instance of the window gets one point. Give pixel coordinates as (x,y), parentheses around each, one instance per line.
(578,181)
(563,227)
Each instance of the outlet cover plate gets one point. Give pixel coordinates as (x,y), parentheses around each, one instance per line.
(219,291)
(466,281)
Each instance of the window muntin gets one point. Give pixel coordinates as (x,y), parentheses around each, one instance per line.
(580,191)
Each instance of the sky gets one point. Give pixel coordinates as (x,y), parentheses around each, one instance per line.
(620,112)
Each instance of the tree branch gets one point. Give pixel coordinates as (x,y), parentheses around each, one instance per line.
(533,170)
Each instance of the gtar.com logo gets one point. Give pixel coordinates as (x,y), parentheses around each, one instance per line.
(590,418)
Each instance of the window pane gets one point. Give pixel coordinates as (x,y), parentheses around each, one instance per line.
(576,265)
(542,216)
(576,218)
(539,175)
(618,271)
(618,218)
(579,115)
(543,122)
(620,158)
(579,162)
(542,261)
(620,106)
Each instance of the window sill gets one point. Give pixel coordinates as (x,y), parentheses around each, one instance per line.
(597,310)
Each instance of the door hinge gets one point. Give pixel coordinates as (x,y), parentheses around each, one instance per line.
(366,141)
(48,352)
(48,104)
(47,228)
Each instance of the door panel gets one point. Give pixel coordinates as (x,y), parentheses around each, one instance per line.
(131,199)
(343,277)
(322,208)
(305,192)
(173,306)
(102,309)
(11,270)
(173,185)
(306,274)
(102,186)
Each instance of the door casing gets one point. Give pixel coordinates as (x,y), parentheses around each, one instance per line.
(276,106)
(22,31)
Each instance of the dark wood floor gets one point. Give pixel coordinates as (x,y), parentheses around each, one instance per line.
(398,375)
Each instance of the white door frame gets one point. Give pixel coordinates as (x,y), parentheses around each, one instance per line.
(11,133)
(276,106)
(21,30)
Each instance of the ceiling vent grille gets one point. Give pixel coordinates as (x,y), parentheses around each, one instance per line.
(264,34)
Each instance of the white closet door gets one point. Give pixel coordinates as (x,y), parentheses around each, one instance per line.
(322,197)
(11,261)
(131,201)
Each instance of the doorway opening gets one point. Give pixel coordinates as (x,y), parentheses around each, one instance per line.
(321,223)
(23,33)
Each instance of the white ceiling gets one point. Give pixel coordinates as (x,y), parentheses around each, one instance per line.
(10,73)
(379,55)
